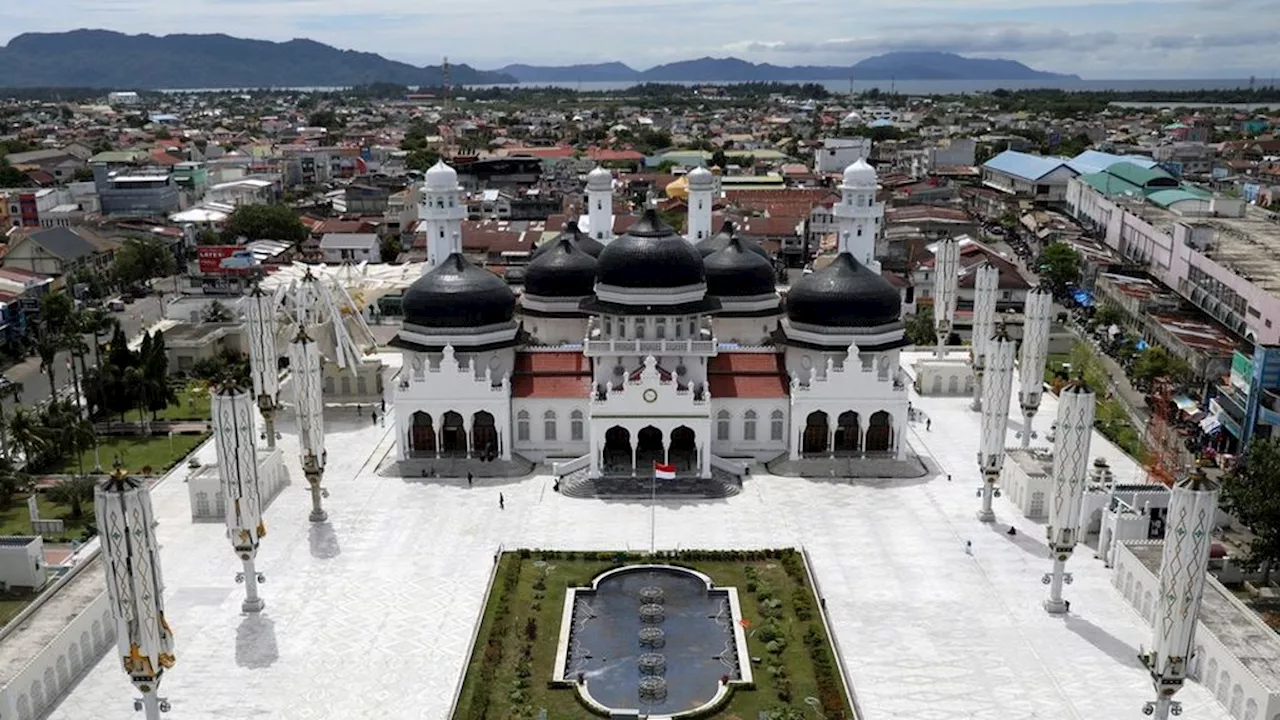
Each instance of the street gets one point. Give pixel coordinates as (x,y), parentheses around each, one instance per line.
(36,385)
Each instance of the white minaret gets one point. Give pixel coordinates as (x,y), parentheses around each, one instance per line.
(236,443)
(986,287)
(441,212)
(702,193)
(600,204)
(1037,315)
(946,281)
(135,589)
(997,389)
(1070,476)
(858,214)
(260,326)
(304,361)
(1193,506)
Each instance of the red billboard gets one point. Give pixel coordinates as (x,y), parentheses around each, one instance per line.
(224,259)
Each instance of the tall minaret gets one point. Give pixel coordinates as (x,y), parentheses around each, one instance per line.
(1070,475)
(600,204)
(1037,316)
(858,213)
(1188,536)
(997,387)
(702,191)
(986,288)
(946,281)
(441,212)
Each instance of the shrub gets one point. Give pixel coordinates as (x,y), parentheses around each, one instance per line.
(531,629)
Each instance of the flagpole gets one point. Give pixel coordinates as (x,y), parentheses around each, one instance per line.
(653,511)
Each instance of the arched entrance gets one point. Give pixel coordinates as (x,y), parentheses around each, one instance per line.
(484,435)
(847,441)
(422,435)
(649,449)
(617,450)
(453,435)
(815,434)
(684,450)
(880,432)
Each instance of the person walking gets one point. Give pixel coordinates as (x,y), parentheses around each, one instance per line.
(502,503)
(470,479)
(928,425)
(375,417)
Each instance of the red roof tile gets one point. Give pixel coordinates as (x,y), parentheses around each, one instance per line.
(552,375)
(553,362)
(747,375)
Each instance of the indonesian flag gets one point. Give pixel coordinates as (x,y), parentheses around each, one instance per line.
(664,472)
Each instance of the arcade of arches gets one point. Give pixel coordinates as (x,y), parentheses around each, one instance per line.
(454,435)
(850,435)
(627,455)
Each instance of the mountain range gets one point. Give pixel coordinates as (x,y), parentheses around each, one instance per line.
(106,59)
(890,66)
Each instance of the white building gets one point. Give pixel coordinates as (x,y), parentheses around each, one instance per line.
(350,247)
(836,154)
(650,347)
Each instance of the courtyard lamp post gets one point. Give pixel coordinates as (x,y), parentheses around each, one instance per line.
(1070,476)
(996,390)
(236,444)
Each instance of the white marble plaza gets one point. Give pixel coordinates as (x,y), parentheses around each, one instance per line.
(371,614)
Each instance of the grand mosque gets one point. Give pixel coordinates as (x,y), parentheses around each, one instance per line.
(651,347)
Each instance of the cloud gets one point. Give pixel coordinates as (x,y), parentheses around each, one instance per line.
(952,38)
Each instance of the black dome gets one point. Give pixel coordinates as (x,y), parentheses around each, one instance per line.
(589,245)
(720,241)
(563,269)
(735,271)
(650,255)
(458,294)
(846,293)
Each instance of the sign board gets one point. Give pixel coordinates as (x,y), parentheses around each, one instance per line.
(1241,371)
(224,259)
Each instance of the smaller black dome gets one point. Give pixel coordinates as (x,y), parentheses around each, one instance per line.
(845,293)
(735,271)
(650,255)
(589,245)
(563,270)
(720,241)
(457,294)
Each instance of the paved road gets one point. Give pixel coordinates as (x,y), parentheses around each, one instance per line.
(36,385)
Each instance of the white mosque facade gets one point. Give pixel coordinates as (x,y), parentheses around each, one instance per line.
(649,347)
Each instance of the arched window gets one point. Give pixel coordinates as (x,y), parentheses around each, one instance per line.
(549,425)
(522,426)
(660,328)
(722,425)
(777,421)
(749,426)
(575,425)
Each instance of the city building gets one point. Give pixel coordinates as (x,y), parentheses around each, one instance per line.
(651,347)
(350,247)
(836,154)
(59,252)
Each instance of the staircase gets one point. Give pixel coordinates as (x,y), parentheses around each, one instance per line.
(446,467)
(721,484)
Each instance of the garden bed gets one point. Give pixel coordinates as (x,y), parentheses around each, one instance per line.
(141,455)
(510,670)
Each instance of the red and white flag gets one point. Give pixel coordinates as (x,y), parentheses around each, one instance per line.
(664,472)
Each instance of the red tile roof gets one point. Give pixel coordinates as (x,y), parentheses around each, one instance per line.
(552,375)
(747,375)
(604,155)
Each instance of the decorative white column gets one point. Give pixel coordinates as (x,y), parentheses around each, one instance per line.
(1070,476)
(946,280)
(304,360)
(996,391)
(986,287)
(235,441)
(1193,505)
(600,204)
(702,190)
(1037,316)
(135,589)
(260,326)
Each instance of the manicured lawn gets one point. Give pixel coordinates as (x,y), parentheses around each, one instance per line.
(494,688)
(16,520)
(157,452)
(193,404)
(11,605)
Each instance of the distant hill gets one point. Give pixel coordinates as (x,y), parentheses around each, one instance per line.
(896,65)
(105,59)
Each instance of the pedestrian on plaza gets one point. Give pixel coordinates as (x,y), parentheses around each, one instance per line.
(968,547)
(928,425)
(470,479)
(1012,530)
(948,477)
(375,417)
(384,404)
(502,502)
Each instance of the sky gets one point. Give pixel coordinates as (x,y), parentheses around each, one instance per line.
(1096,39)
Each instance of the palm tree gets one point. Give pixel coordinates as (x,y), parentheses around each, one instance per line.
(11,482)
(136,379)
(28,434)
(75,344)
(74,491)
(98,324)
(47,347)
(8,388)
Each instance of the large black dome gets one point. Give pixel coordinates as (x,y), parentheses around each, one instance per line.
(562,269)
(720,241)
(735,271)
(846,293)
(650,255)
(589,245)
(458,294)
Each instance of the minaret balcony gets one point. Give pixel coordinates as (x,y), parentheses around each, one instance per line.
(857,212)
(656,348)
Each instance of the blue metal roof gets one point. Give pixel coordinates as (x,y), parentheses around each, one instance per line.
(1023,165)
(1092,161)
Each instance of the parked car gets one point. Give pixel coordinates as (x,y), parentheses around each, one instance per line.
(115,305)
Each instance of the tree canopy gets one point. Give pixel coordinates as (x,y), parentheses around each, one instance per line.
(264,222)
(920,327)
(1251,493)
(140,260)
(1060,266)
